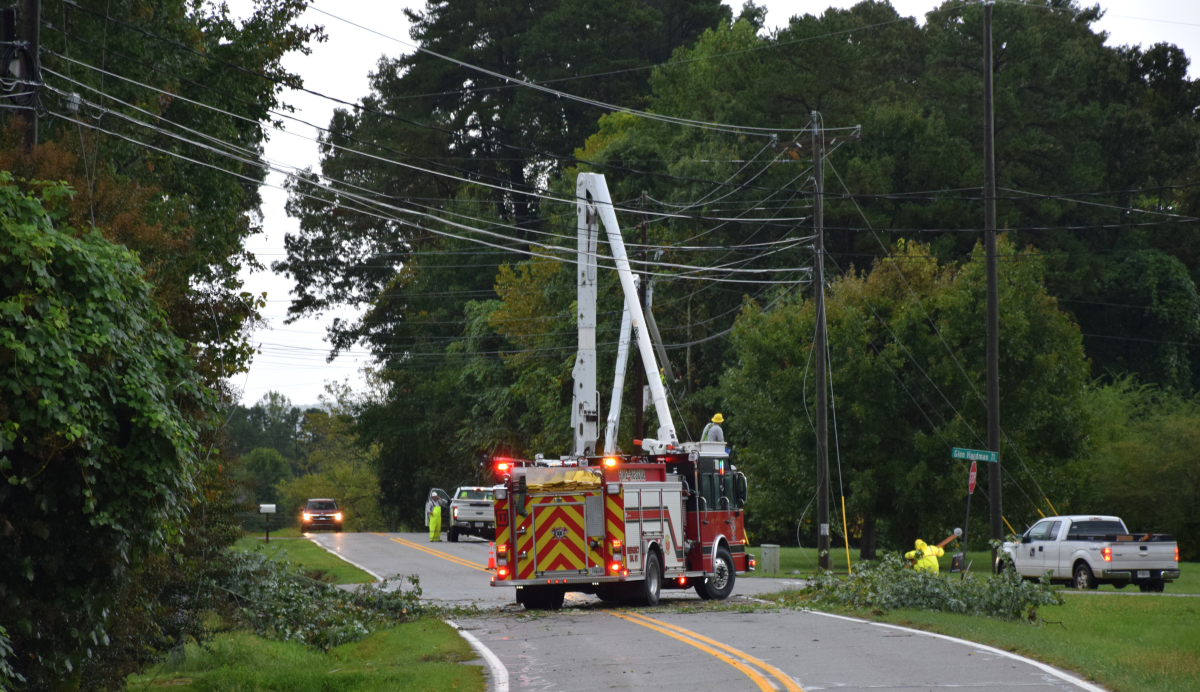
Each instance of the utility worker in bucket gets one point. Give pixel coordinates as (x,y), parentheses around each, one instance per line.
(925,557)
(712,431)
(435,521)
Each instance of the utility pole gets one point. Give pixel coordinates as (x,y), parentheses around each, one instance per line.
(993,300)
(31,22)
(639,380)
(818,144)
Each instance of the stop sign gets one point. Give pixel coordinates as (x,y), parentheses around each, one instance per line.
(971,482)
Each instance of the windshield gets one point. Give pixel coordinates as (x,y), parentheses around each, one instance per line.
(475,495)
(1096,528)
(321,505)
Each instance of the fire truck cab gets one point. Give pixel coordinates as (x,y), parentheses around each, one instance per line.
(622,528)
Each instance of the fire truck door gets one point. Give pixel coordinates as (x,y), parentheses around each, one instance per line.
(560,543)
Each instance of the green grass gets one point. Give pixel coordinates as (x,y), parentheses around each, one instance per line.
(313,559)
(421,655)
(804,560)
(1148,644)
(284,532)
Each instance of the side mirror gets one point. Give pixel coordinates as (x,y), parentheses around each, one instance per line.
(1026,539)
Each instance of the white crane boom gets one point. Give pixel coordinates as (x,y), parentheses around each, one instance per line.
(592,199)
(614,407)
(585,399)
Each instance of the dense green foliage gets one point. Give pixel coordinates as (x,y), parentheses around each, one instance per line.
(124,313)
(313,453)
(98,431)
(892,585)
(906,356)
(277,602)
(1097,165)
(1142,463)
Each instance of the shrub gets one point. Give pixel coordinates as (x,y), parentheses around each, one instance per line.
(891,585)
(275,601)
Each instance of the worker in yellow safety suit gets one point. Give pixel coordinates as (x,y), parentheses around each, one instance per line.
(435,523)
(925,557)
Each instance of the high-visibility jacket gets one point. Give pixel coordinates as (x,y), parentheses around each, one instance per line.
(435,523)
(926,556)
(712,433)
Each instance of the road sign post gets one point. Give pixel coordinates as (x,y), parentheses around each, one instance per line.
(967,523)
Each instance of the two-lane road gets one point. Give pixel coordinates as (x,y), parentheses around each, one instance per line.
(589,646)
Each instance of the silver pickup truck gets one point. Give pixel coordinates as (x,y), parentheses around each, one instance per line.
(472,513)
(1086,551)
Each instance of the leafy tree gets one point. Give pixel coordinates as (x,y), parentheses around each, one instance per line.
(265,468)
(339,464)
(907,370)
(187,219)
(271,422)
(98,432)
(1143,320)
(1141,463)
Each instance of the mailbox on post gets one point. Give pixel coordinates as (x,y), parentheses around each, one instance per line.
(267,511)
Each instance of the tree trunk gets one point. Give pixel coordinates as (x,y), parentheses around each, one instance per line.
(866,550)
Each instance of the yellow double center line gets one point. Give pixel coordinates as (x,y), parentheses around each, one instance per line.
(738,659)
(436,553)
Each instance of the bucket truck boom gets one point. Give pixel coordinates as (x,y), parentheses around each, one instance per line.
(594,203)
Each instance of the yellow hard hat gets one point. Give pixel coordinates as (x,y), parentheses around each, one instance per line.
(920,544)
(718,418)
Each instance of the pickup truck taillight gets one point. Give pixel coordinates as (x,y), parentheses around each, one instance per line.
(1106,553)
(1176,553)
(454,511)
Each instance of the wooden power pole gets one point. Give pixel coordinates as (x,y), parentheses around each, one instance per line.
(818,143)
(993,300)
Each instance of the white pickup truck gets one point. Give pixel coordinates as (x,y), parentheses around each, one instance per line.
(472,513)
(1086,551)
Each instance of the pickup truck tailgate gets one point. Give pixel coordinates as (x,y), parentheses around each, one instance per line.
(1134,556)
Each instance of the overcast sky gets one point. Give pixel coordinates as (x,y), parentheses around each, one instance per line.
(293,355)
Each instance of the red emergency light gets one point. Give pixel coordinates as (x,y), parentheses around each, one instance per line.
(610,462)
(503,465)
(502,572)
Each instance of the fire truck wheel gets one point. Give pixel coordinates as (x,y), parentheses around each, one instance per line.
(541,598)
(651,586)
(719,584)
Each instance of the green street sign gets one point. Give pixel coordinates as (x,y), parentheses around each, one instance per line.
(975,455)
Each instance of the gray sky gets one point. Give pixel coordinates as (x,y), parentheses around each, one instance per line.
(293,356)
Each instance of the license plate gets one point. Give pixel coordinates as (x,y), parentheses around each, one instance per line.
(1143,574)
(479,524)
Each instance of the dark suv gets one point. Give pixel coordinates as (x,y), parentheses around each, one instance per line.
(321,514)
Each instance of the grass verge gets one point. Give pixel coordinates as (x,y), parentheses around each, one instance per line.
(1145,644)
(804,562)
(420,655)
(312,559)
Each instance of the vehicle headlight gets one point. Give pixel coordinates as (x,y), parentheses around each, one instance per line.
(337,517)
(307,516)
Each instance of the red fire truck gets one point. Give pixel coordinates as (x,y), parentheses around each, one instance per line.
(621,526)
(624,528)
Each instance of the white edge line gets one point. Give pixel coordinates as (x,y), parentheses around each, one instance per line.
(342,557)
(983,647)
(499,672)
